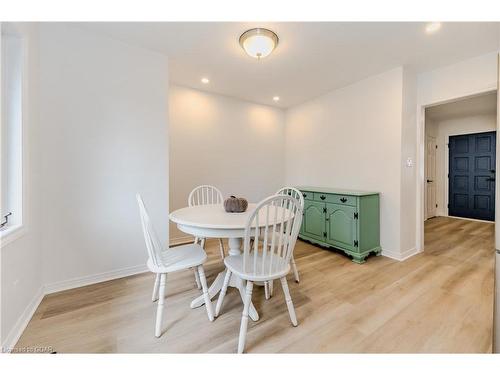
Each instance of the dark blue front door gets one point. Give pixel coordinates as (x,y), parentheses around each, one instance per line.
(472,176)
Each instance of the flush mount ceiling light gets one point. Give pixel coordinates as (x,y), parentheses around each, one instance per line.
(276,98)
(432,27)
(205,80)
(258,43)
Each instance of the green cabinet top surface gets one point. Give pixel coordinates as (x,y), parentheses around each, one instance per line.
(356,193)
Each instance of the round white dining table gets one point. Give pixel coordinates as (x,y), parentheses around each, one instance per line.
(212,221)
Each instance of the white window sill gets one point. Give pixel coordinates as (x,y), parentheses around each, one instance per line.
(11,234)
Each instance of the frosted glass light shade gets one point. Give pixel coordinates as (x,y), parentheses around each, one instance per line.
(258,43)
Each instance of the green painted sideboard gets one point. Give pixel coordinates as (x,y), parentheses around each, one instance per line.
(342,219)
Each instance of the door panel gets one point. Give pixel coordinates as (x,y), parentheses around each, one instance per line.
(341,228)
(472,175)
(301,231)
(430,176)
(314,220)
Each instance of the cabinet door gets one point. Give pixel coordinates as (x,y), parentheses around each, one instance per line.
(302,224)
(314,220)
(341,226)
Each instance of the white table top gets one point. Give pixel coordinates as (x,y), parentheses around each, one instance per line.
(214,216)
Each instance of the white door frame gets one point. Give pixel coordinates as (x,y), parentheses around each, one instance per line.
(426,177)
(421,157)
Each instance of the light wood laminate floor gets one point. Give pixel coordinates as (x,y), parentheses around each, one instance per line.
(437,301)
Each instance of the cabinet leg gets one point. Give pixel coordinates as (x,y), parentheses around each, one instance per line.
(359,259)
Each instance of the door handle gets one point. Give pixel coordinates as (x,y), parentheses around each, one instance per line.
(490,179)
(430,181)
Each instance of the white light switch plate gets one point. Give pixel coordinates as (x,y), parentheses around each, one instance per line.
(409,162)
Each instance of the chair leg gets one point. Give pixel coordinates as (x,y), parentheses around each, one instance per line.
(289,303)
(155,288)
(271,288)
(197,278)
(161,301)
(266,289)
(221,248)
(244,317)
(295,270)
(206,297)
(202,244)
(223,292)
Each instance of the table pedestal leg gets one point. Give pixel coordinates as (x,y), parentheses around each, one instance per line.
(234,246)
(212,290)
(234,281)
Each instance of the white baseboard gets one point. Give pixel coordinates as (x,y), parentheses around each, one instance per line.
(400,256)
(469,219)
(462,218)
(15,333)
(27,314)
(93,279)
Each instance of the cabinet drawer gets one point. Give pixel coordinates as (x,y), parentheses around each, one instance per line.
(346,200)
(308,195)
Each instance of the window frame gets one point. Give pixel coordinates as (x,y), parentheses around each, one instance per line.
(16,231)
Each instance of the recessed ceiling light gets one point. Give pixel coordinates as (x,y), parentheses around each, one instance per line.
(276,98)
(432,27)
(258,42)
(205,80)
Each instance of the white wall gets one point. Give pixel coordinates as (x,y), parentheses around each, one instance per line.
(445,128)
(235,145)
(103,122)
(351,138)
(408,173)
(97,134)
(21,285)
(462,79)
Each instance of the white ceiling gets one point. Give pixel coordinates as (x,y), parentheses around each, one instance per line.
(311,58)
(485,104)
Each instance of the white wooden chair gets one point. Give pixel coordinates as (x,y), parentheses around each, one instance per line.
(295,193)
(200,195)
(261,262)
(161,262)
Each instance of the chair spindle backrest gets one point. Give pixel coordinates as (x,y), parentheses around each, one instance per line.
(153,244)
(273,226)
(293,192)
(205,194)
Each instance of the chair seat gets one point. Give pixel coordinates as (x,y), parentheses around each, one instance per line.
(279,269)
(179,258)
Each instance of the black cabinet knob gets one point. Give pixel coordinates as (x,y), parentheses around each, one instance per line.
(323,197)
(304,195)
(343,200)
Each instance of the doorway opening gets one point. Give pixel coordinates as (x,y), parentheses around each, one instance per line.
(457,185)
(460,151)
